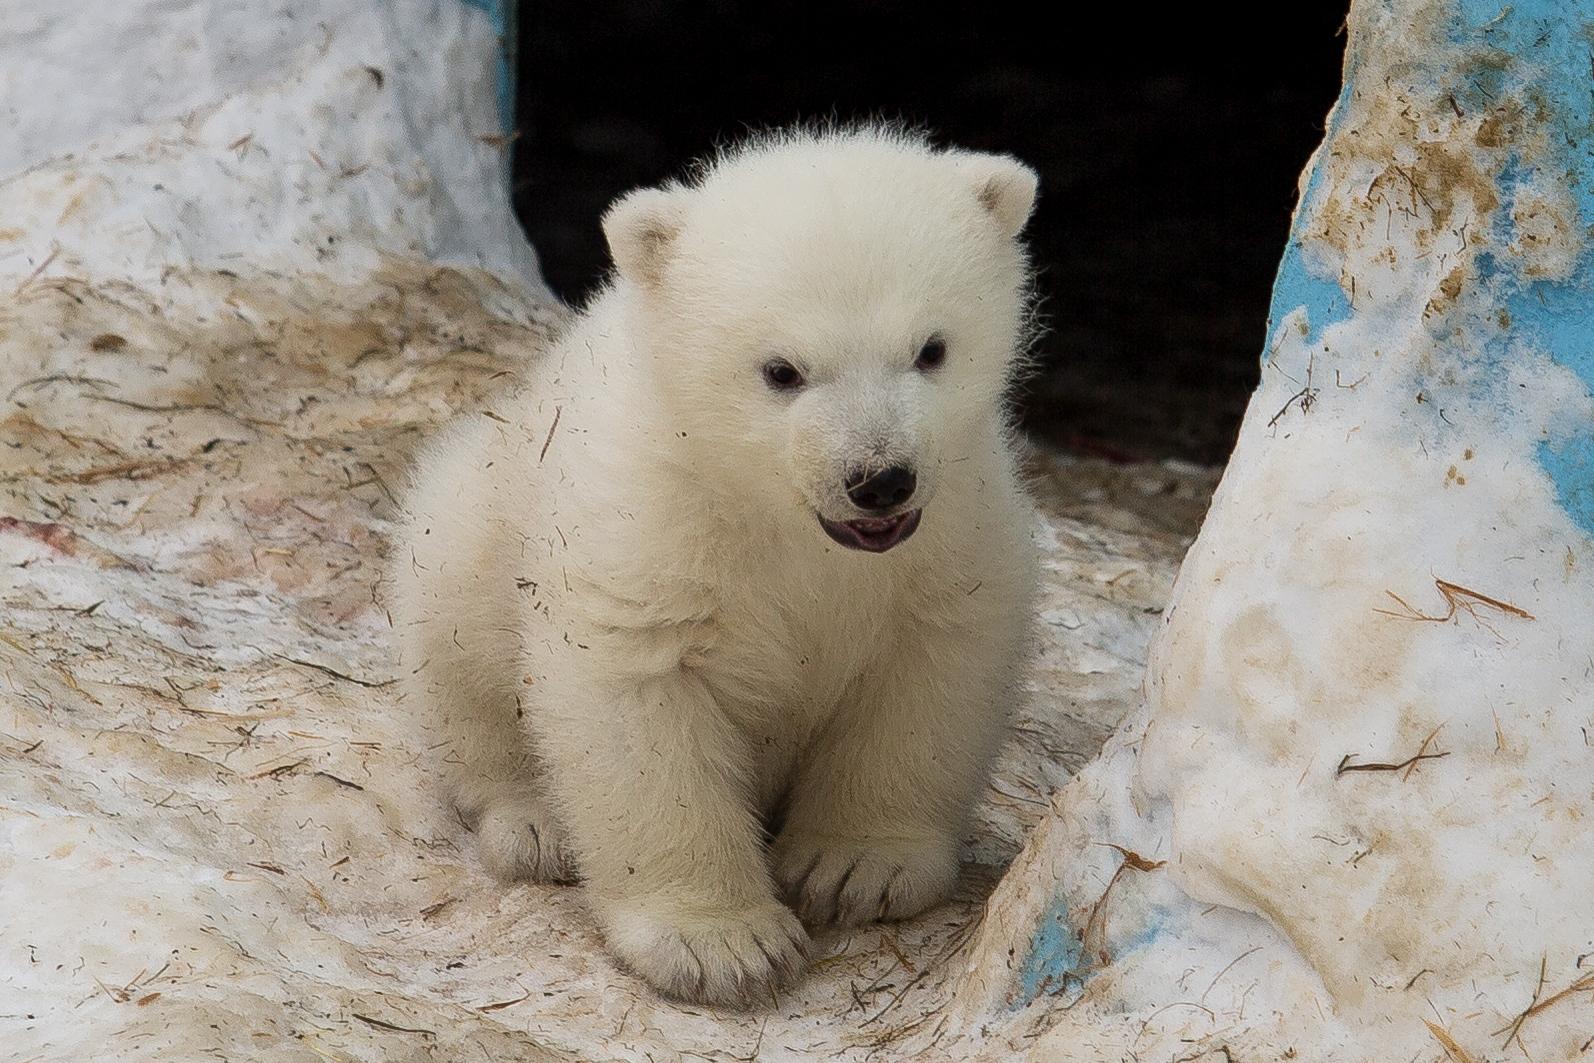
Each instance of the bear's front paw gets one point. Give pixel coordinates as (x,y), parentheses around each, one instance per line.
(833,880)
(734,958)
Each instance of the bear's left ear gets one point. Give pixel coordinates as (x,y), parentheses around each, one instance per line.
(1002,185)
(640,228)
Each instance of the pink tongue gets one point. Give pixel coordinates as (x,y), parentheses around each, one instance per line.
(872,525)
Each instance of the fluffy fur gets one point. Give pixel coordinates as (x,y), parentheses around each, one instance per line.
(646,663)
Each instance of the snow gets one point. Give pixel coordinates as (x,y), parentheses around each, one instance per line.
(207,132)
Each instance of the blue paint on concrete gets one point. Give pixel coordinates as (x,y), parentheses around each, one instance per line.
(1541,52)
(1536,53)
(1054,954)
(1056,962)
(502,14)
(1569,463)
(1151,928)
(1299,284)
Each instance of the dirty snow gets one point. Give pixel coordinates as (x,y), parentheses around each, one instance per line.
(217,833)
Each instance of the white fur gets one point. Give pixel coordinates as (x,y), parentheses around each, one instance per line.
(620,614)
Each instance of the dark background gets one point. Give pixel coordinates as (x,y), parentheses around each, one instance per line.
(1168,148)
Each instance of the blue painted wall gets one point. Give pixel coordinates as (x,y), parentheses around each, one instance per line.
(504,15)
(1541,53)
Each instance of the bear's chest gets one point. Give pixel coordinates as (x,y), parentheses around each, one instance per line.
(793,640)
(788,652)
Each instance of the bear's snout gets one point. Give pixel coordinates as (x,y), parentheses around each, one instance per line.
(883,490)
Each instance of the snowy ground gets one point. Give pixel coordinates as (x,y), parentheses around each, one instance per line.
(217,840)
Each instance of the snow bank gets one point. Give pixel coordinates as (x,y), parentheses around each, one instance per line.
(318,134)
(1354,820)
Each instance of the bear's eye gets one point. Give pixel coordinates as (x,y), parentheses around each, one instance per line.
(932,354)
(782,375)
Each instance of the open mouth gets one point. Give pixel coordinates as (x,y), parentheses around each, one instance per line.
(874,534)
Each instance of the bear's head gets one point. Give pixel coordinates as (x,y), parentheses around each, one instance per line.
(835,317)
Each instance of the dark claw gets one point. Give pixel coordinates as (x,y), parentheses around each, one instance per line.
(702,975)
(777,966)
(802,944)
(841,887)
(885,893)
(802,879)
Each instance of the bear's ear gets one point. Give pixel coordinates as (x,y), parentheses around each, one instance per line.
(1003,186)
(640,227)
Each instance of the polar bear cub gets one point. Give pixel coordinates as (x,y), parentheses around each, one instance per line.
(720,611)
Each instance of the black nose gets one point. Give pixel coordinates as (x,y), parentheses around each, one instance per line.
(881,490)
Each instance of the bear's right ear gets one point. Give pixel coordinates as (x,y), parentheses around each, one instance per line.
(640,227)
(1003,186)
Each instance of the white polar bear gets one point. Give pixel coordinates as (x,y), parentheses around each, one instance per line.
(746,553)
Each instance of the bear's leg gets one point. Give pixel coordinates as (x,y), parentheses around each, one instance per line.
(653,781)
(874,818)
(492,778)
